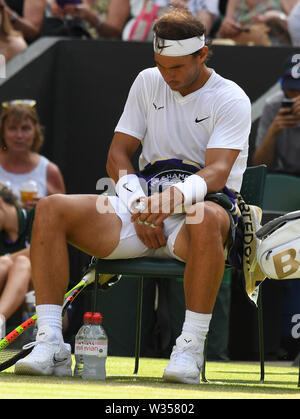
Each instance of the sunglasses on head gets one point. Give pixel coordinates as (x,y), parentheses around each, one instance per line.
(25,102)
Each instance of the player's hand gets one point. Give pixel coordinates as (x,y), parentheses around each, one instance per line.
(152,237)
(149,222)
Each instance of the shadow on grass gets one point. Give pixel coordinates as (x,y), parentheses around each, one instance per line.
(213,385)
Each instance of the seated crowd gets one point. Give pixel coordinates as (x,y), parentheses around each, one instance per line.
(231,22)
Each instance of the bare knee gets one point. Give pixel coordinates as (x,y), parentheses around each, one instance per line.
(211,223)
(48,211)
(5,265)
(22,262)
(206,226)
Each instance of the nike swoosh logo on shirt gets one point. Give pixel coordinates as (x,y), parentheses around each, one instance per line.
(200,120)
(125,187)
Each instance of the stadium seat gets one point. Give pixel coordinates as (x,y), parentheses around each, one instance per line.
(280,195)
(252,192)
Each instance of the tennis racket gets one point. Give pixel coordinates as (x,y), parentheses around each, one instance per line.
(9,357)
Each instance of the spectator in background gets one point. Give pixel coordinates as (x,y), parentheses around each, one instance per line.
(15,267)
(26,16)
(105,19)
(278,135)
(11,41)
(257,22)
(206,10)
(118,23)
(145,12)
(20,161)
(294,25)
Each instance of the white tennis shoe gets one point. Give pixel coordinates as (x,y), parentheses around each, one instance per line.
(48,357)
(186,360)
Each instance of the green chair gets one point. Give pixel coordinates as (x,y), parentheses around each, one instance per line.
(281,194)
(252,192)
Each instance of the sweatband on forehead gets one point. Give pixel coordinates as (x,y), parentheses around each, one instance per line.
(178,48)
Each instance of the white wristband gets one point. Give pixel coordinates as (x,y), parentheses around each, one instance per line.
(129,189)
(194,189)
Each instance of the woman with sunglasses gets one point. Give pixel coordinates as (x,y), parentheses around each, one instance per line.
(20,162)
(11,41)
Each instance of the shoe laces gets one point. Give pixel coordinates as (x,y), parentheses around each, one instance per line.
(30,345)
(43,337)
(183,354)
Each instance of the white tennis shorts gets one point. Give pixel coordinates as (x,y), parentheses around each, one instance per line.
(130,246)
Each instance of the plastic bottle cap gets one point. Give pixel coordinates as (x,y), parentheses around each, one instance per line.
(97,318)
(87,318)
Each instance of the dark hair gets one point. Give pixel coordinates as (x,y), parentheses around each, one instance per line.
(8,196)
(178,24)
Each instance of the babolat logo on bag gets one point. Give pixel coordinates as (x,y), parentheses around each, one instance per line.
(279,251)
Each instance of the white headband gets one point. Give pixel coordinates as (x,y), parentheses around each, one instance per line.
(178,48)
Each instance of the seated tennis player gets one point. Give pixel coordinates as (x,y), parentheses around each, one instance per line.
(193,126)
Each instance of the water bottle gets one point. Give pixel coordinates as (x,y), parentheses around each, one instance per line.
(80,341)
(95,353)
(91,348)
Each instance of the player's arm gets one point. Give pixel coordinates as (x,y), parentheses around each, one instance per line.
(218,165)
(128,187)
(211,179)
(122,148)
(120,168)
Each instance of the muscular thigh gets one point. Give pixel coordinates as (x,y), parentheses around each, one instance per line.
(214,222)
(88,221)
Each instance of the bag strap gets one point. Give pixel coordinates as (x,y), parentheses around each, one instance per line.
(273,225)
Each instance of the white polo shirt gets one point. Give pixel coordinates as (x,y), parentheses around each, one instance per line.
(169,125)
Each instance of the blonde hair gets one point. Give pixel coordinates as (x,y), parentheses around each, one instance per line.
(21,112)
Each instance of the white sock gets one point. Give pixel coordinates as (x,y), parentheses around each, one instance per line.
(50,315)
(196,324)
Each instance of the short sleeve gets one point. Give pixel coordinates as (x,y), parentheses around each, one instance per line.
(232,125)
(133,120)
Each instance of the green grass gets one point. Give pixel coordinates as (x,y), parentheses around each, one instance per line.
(231,380)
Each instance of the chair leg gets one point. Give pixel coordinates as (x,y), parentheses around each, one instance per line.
(203,376)
(261,336)
(138,325)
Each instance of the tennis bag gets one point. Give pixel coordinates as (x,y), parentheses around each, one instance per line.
(279,252)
